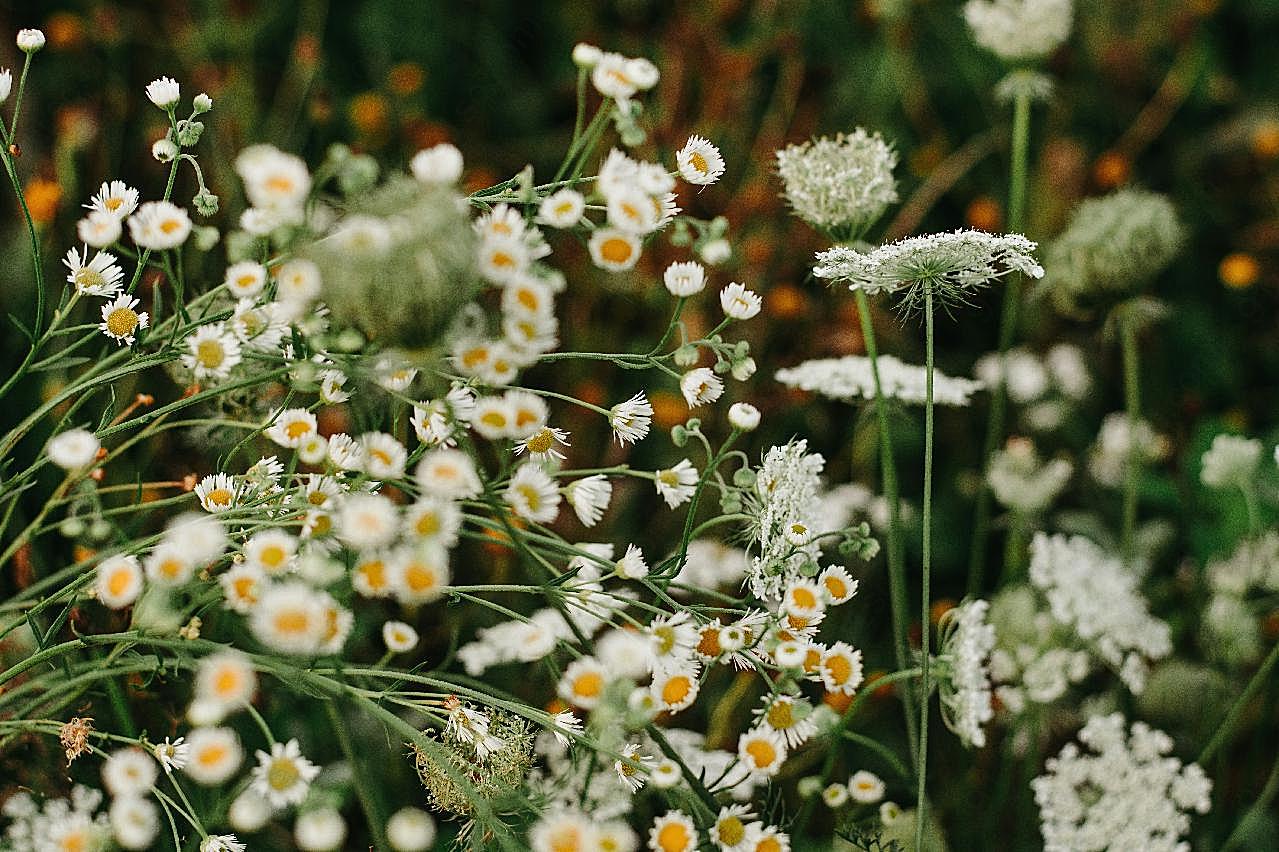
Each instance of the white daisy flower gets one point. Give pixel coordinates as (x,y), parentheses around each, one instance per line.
(169,564)
(273,180)
(211,353)
(384,457)
(291,426)
(841,668)
(129,773)
(410,830)
(98,229)
(673,831)
(172,754)
(675,689)
(164,92)
(73,449)
(290,618)
(439,164)
(676,484)
(589,497)
(685,279)
(116,199)
(121,319)
(245,279)
(632,565)
(118,581)
(738,302)
(420,574)
(532,494)
(283,776)
(866,788)
(242,586)
(699,161)
(631,767)
(159,225)
(448,473)
(540,445)
(613,249)
(215,755)
(217,492)
(98,277)
(583,682)
(297,282)
(562,209)
(701,386)
(731,831)
(631,419)
(399,637)
(367,521)
(762,751)
(135,822)
(226,678)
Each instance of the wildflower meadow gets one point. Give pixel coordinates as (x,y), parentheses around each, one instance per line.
(742,426)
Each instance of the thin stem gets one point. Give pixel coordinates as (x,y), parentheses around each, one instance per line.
(896,557)
(1132,406)
(926,570)
(1007,331)
(363,789)
(1228,725)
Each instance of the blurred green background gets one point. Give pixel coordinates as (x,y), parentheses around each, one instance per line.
(1179,96)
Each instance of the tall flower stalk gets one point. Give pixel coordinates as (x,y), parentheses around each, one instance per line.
(921,760)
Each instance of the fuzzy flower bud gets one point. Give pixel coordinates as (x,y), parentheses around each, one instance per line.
(29,41)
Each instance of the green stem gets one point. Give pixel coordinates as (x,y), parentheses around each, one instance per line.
(1228,725)
(1268,793)
(926,570)
(895,557)
(1007,331)
(363,787)
(1132,406)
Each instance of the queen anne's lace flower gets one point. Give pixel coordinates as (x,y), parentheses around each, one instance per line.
(850,377)
(1097,597)
(1123,790)
(965,687)
(842,184)
(1231,460)
(786,492)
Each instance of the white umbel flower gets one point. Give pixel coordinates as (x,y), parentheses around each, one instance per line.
(841,185)
(851,377)
(1231,460)
(1122,790)
(966,643)
(1019,30)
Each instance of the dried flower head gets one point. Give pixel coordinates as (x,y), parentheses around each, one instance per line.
(455,774)
(74,736)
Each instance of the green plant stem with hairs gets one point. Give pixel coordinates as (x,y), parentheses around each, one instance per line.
(896,556)
(1132,408)
(1007,331)
(921,761)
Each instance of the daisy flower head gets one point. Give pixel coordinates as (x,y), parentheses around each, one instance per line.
(410,830)
(589,497)
(841,185)
(31,40)
(118,581)
(121,319)
(631,419)
(583,682)
(565,726)
(562,209)
(283,776)
(164,92)
(613,249)
(169,564)
(271,551)
(673,831)
(129,772)
(384,457)
(420,574)
(290,618)
(803,598)
(1019,30)
(632,767)
(630,209)
(135,822)
(701,386)
(563,830)
(226,678)
(298,282)
(438,165)
(215,755)
(399,637)
(273,180)
(835,795)
(676,689)
(367,521)
(97,229)
(290,426)
(217,492)
(738,302)
(74,449)
(614,76)
(494,417)
(674,639)
(789,716)
(532,494)
(836,585)
(245,279)
(676,484)
(699,161)
(540,445)
(762,751)
(448,473)
(841,668)
(222,843)
(731,830)
(159,225)
(684,279)
(865,788)
(172,754)
(116,199)
(319,830)
(212,352)
(100,276)
(949,266)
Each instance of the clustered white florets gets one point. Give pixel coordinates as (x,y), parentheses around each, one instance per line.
(1019,30)
(1122,790)
(841,185)
(852,377)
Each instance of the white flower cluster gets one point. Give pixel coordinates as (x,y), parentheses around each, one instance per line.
(1231,460)
(850,377)
(1019,30)
(60,823)
(787,490)
(1231,620)
(1109,456)
(841,185)
(960,260)
(967,641)
(1123,790)
(1048,384)
(1097,597)
(1023,482)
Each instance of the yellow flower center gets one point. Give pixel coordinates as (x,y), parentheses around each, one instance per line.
(839,667)
(588,685)
(615,250)
(87,278)
(210,354)
(297,429)
(121,322)
(113,204)
(119,582)
(731,830)
(699,162)
(428,524)
(283,774)
(168,226)
(219,497)
(541,441)
(761,753)
(673,837)
(676,690)
(292,622)
(780,716)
